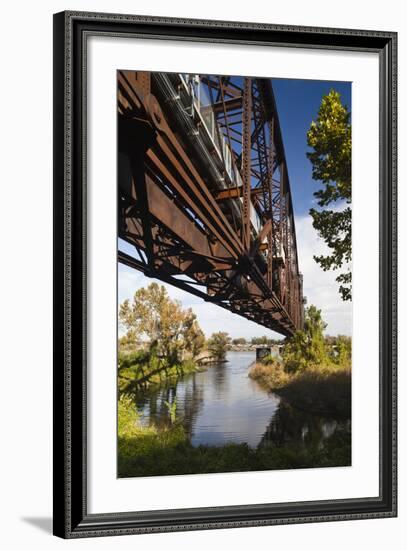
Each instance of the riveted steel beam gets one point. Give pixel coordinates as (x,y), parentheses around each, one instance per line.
(218,215)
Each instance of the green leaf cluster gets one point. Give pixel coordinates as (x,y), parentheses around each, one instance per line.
(218,345)
(154,317)
(330,138)
(307,348)
(310,348)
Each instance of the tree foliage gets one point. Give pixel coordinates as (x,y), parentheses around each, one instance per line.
(129,341)
(310,348)
(307,347)
(239,341)
(264,340)
(218,345)
(153,316)
(331,140)
(340,349)
(259,340)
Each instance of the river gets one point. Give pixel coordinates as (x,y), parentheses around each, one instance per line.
(223,405)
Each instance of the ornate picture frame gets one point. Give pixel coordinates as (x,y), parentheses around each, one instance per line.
(71,511)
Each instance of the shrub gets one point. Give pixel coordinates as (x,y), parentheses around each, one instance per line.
(218,345)
(269,359)
(322,389)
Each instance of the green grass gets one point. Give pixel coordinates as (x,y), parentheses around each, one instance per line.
(324,389)
(142,369)
(149,451)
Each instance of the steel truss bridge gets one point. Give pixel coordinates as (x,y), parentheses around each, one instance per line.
(204,197)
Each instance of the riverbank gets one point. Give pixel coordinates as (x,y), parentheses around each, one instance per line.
(141,369)
(325,389)
(166,450)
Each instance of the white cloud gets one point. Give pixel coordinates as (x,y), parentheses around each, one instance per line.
(211,318)
(129,280)
(320,288)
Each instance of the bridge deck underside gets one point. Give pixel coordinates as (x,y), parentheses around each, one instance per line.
(210,214)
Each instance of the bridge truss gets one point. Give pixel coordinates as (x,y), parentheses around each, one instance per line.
(204,198)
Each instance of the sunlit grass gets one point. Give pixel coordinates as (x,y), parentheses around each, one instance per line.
(149,451)
(143,368)
(320,389)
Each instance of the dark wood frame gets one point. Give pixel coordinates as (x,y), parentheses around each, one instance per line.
(71,518)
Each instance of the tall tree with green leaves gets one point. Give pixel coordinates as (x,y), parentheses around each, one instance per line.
(330,138)
(307,348)
(153,316)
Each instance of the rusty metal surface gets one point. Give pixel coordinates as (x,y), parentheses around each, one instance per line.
(246,161)
(204,196)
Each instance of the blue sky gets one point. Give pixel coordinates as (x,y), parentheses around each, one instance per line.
(298,102)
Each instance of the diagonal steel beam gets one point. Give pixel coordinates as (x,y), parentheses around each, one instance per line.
(246,160)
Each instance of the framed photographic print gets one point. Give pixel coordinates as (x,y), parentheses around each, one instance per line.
(224,274)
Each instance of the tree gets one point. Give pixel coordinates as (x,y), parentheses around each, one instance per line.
(239,341)
(260,340)
(218,345)
(340,349)
(343,354)
(193,336)
(307,347)
(128,341)
(331,140)
(154,316)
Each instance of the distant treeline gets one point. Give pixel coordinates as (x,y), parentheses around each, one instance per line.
(256,341)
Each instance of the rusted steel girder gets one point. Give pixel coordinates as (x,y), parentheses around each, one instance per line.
(246,161)
(184,169)
(234,192)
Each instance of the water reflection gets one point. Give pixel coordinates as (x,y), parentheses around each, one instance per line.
(222,405)
(291,426)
